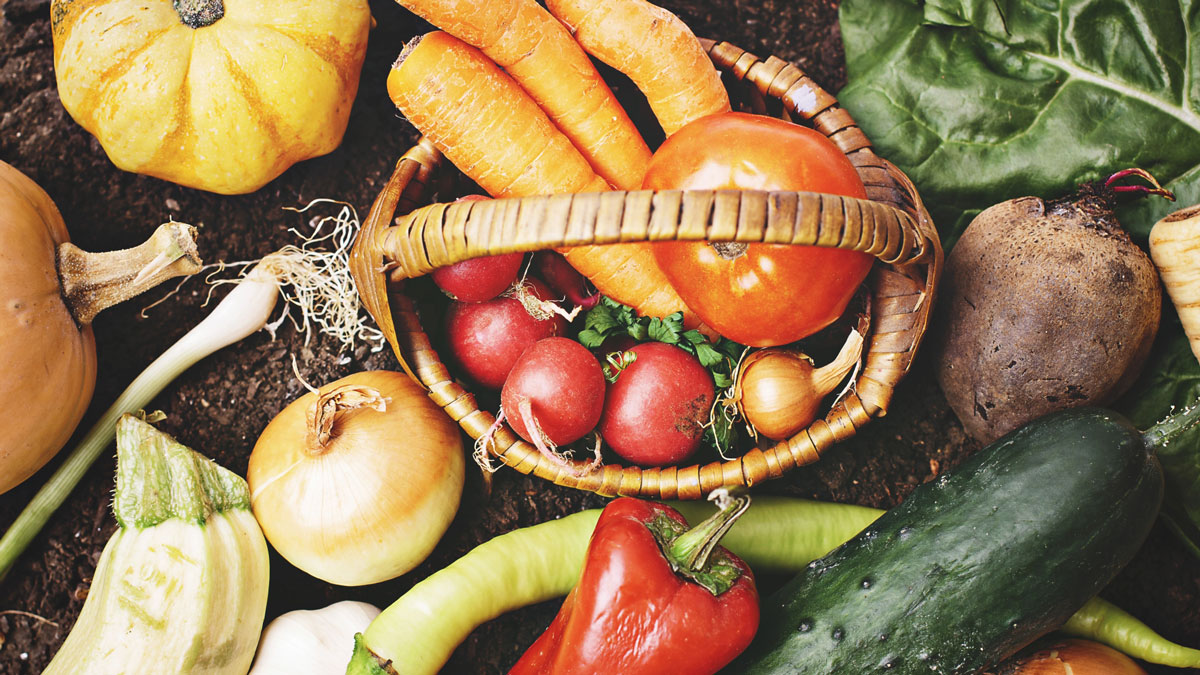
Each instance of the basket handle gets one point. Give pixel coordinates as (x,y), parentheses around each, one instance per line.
(442,234)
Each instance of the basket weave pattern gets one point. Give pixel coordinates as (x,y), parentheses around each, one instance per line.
(891,225)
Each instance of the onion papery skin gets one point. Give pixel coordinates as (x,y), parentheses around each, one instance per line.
(374,501)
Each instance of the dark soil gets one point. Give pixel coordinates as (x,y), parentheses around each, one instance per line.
(222,404)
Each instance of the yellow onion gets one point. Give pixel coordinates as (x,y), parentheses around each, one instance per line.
(1073,657)
(779,391)
(356,485)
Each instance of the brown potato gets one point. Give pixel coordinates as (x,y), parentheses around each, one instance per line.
(1044,305)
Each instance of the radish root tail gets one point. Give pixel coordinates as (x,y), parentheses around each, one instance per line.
(545,446)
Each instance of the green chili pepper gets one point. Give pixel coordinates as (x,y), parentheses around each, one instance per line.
(1106,623)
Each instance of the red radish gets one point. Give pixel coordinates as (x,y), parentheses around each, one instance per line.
(556,386)
(485,338)
(478,279)
(656,410)
(564,279)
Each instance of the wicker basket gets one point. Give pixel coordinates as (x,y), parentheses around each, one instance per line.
(892,225)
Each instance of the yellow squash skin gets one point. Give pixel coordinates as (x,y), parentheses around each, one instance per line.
(224,107)
(47,361)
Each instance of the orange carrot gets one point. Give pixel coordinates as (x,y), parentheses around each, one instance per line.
(539,53)
(495,133)
(655,49)
(484,122)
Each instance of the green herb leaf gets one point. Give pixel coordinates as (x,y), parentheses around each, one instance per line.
(591,338)
(708,354)
(601,319)
(663,331)
(980,101)
(721,434)
(609,318)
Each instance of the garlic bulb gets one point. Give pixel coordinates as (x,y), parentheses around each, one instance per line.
(316,641)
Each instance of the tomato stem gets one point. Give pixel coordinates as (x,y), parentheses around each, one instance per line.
(729,250)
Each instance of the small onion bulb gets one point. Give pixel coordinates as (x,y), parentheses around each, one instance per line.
(779,391)
(356,485)
(1073,657)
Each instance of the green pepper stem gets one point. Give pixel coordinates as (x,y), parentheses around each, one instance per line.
(691,550)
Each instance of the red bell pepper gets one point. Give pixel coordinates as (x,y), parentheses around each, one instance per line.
(654,597)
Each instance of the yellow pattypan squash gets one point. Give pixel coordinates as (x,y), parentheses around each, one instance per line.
(217,95)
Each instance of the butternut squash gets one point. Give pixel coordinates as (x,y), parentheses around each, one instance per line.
(50,291)
(221,95)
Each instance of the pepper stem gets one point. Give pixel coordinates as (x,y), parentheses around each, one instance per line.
(93,282)
(689,553)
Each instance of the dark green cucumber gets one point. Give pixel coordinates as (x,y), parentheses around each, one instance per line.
(979,562)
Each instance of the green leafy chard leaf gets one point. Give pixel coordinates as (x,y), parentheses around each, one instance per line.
(980,101)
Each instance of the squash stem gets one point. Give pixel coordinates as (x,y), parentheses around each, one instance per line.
(199,13)
(93,282)
(159,478)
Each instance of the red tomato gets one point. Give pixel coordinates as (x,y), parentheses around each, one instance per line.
(770,294)
(654,414)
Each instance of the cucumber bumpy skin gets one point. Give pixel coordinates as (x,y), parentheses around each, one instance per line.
(181,587)
(977,563)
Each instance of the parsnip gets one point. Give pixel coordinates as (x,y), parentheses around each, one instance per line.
(1175,249)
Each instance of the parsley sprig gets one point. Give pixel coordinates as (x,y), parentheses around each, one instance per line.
(610,318)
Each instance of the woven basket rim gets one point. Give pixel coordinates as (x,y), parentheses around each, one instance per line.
(908,283)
